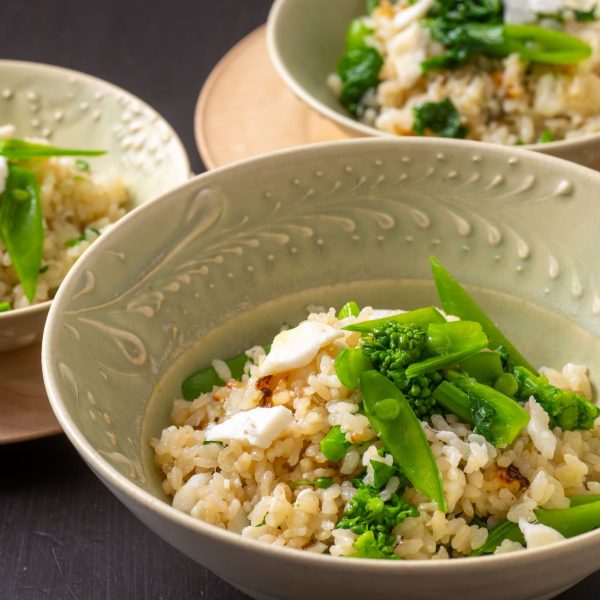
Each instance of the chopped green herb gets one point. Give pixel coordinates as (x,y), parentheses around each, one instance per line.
(585,16)
(5,306)
(207,442)
(440,118)
(44,268)
(545,137)
(88,234)
(82,165)
(321,482)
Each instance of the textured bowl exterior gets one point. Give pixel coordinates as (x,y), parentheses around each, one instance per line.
(75,110)
(238,246)
(305,41)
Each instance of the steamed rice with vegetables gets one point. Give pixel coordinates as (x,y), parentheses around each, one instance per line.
(509,72)
(53,205)
(388,434)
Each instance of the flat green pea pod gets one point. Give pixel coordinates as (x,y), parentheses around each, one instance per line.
(485,367)
(16,149)
(584,499)
(422,317)
(204,380)
(505,530)
(571,521)
(21,228)
(399,429)
(455,301)
(350,309)
(349,365)
(334,444)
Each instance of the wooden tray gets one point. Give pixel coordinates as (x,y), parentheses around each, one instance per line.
(25,413)
(245,109)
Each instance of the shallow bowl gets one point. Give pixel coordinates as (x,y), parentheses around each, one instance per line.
(75,110)
(221,262)
(306,39)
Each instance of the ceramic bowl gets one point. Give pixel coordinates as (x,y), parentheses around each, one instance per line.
(306,39)
(75,110)
(226,258)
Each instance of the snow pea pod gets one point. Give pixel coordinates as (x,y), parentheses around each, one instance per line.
(16,149)
(350,309)
(349,364)
(571,521)
(485,367)
(584,499)
(402,434)
(422,317)
(505,530)
(435,363)
(456,301)
(21,227)
(446,338)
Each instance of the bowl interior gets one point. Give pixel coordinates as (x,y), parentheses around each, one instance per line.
(220,263)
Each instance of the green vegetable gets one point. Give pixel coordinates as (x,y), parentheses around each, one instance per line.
(21,228)
(584,499)
(506,384)
(359,71)
(391,348)
(566,409)
(372,5)
(440,118)
(546,137)
(356,34)
(485,367)
(505,530)
(82,165)
(320,482)
(456,301)
(334,444)
(450,343)
(349,364)
(495,416)
(16,149)
(454,400)
(467,29)
(571,521)
(585,16)
(382,473)
(373,520)
(5,306)
(422,317)
(204,380)
(403,436)
(89,233)
(350,309)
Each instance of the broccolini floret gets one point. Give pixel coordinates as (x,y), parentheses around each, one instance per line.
(373,520)
(394,346)
(566,409)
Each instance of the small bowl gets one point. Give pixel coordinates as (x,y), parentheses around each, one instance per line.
(72,109)
(306,39)
(220,262)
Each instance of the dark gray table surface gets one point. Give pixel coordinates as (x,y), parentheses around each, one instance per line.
(62,533)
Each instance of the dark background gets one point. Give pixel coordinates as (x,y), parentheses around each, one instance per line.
(62,534)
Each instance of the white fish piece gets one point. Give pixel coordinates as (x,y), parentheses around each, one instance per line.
(537,535)
(539,431)
(412,13)
(295,348)
(407,52)
(3,173)
(259,427)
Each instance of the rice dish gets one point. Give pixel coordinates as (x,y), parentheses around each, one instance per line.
(77,205)
(269,478)
(389,72)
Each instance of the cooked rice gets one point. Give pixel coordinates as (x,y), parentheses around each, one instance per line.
(72,200)
(500,100)
(246,489)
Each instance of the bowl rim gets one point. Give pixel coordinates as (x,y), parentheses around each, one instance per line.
(183,164)
(111,477)
(273,23)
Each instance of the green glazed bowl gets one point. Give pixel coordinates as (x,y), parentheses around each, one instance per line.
(75,110)
(221,261)
(306,39)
